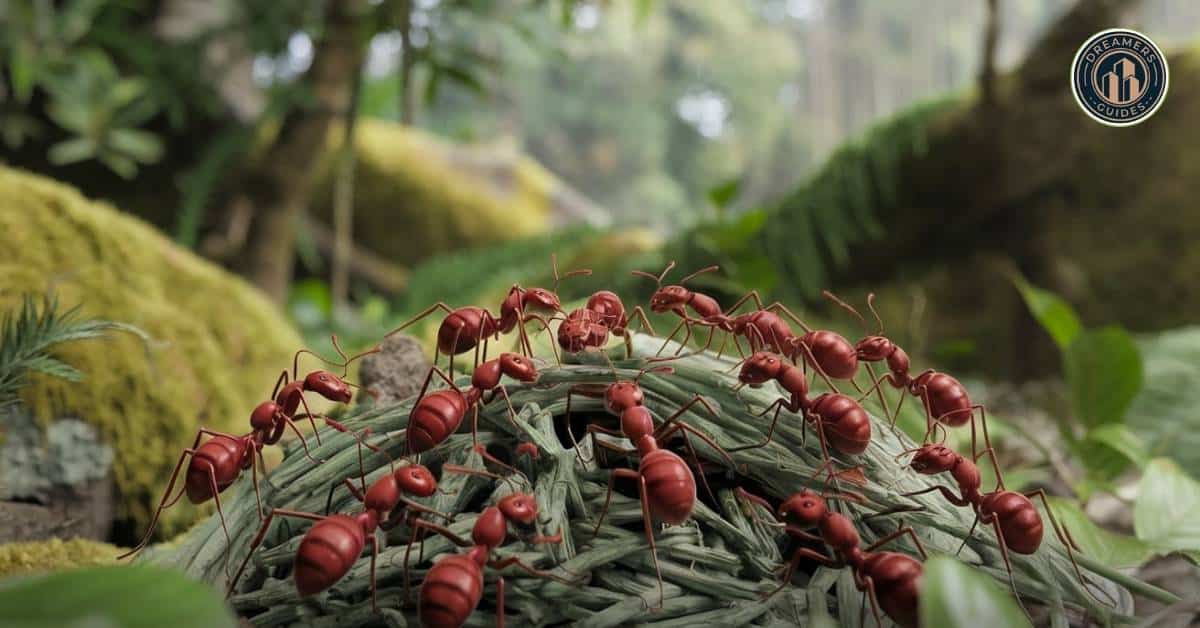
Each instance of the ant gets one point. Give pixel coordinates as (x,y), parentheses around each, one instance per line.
(827,352)
(839,421)
(470,327)
(333,544)
(453,587)
(891,581)
(220,461)
(1012,515)
(945,398)
(437,415)
(588,327)
(666,486)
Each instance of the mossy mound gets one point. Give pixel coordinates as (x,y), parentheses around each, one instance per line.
(218,344)
(52,555)
(443,196)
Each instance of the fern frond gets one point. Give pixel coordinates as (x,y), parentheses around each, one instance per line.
(29,333)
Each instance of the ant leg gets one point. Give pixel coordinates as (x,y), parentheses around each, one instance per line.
(281,382)
(163,503)
(751,497)
(499,601)
(970,533)
(867,586)
(515,561)
(797,557)
(882,399)
(312,421)
(1064,537)
(262,533)
(374,556)
(254,481)
(416,507)
(571,432)
(671,337)
(780,308)
(648,524)
(433,527)
(429,310)
(612,477)
(897,534)
(946,492)
(991,453)
(749,296)
(333,487)
(778,405)
(307,453)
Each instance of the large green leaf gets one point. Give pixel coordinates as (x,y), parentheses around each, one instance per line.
(953,594)
(1166,414)
(1113,549)
(137,596)
(1104,373)
(1054,314)
(1167,513)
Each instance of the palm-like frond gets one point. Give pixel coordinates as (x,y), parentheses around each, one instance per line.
(29,334)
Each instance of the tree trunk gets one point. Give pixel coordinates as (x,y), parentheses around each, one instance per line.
(408,92)
(279,184)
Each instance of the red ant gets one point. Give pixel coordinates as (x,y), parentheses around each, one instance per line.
(220,461)
(1012,515)
(588,327)
(437,415)
(333,544)
(892,581)
(666,486)
(945,398)
(453,587)
(831,355)
(841,422)
(469,327)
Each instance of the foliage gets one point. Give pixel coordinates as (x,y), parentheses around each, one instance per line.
(953,594)
(1103,371)
(1167,514)
(222,344)
(1164,414)
(810,232)
(117,597)
(715,569)
(54,555)
(27,338)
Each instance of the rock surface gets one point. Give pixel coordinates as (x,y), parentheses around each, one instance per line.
(397,371)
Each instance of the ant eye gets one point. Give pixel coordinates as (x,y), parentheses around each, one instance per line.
(807,504)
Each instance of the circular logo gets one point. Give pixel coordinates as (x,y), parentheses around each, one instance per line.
(1119,77)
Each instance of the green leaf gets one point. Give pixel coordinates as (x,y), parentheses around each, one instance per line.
(720,195)
(137,596)
(1112,549)
(125,91)
(143,146)
(75,20)
(1054,314)
(71,151)
(1166,413)
(953,594)
(1120,438)
(22,70)
(1167,513)
(118,163)
(1104,373)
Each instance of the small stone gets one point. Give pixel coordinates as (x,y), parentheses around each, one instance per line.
(397,371)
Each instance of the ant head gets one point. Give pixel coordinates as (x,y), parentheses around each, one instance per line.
(761,368)
(668,298)
(573,335)
(328,385)
(542,299)
(519,507)
(933,458)
(874,348)
(804,508)
(608,305)
(415,479)
(263,416)
(623,395)
(518,367)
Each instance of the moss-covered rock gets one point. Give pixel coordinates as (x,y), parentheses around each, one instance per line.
(52,555)
(218,343)
(416,195)
(964,191)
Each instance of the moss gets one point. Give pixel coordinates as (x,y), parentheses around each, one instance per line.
(218,342)
(55,554)
(443,196)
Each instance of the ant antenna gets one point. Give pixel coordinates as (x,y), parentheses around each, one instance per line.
(829,295)
(659,278)
(706,269)
(669,370)
(454,468)
(345,364)
(904,453)
(557,278)
(871,305)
